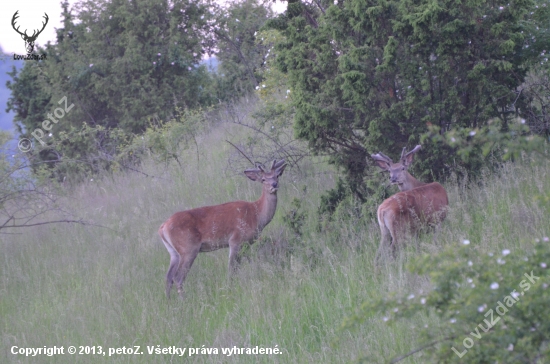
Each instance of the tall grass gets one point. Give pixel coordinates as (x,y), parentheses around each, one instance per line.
(84,286)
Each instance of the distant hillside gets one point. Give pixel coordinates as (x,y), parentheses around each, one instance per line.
(6,64)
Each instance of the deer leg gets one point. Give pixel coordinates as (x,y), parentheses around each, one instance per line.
(172,270)
(385,241)
(437,229)
(186,261)
(234,258)
(174,264)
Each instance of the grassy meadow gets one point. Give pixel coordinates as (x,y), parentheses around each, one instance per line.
(77,285)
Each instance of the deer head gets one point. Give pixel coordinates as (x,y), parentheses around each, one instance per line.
(29,40)
(269,178)
(398,171)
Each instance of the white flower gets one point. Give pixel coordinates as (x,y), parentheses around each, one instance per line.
(466,242)
(500,8)
(395,309)
(494,285)
(172,63)
(505,252)
(263,85)
(501,261)
(423,301)
(481,308)
(50,134)
(514,294)
(470,280)
(91,64)
(154,62)
(543,265)
(158,54)
(385,318)
(472,133)
(452,321)
(470,263)
(410,297)
(546,239)
(510,347)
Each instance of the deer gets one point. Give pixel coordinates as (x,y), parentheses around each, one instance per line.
(417,205)
(29,39)
(204,229)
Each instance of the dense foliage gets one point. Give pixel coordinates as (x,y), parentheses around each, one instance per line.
(128,67)
(376,75)
(492,307)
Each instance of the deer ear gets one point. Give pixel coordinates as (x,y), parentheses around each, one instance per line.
(381,161)
(254,174)
(382,164)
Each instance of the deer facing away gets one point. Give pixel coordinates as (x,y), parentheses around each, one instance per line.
(187,233)
(417,204)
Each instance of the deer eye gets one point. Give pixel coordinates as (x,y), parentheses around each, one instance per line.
(403,168)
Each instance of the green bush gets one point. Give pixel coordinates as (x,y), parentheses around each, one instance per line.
(491,307)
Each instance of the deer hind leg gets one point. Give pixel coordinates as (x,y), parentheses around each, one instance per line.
(386,236)
(174,263)
(186,261)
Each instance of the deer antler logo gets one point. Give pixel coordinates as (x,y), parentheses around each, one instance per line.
(29,40)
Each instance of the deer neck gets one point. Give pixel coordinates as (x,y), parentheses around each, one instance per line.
(266,206)
(410,183)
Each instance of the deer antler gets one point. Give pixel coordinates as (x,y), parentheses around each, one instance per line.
(34,35)
(15,16)
(43,26)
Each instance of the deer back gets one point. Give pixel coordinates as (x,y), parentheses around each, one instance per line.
(215,224)
(426,204)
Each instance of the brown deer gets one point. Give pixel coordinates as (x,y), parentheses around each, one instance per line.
(187,233)
(418,204)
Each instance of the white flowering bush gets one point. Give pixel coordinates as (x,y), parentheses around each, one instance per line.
(491,308)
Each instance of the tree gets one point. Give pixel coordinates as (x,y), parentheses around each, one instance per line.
(375,75)
(27,200)
(241,56)
(123,64)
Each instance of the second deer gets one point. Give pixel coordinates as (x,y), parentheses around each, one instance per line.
(417,204)
(187,233)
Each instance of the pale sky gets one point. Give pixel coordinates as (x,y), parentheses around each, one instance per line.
(31,14)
